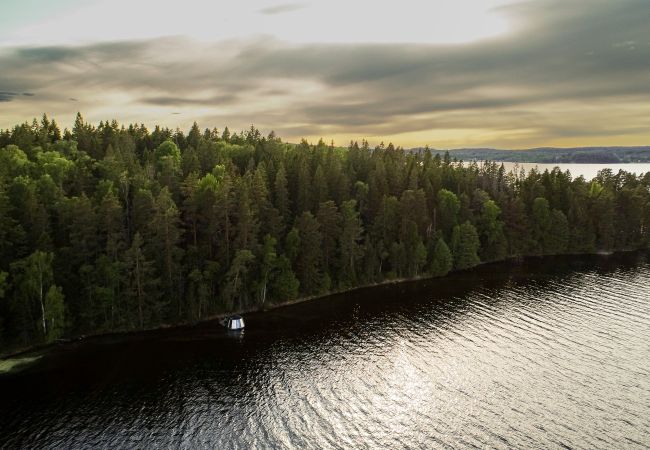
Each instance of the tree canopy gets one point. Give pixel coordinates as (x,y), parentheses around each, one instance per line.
(114,227)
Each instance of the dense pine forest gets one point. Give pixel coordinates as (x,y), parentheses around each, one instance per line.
(112,227)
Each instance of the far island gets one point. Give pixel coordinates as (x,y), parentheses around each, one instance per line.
(550,155)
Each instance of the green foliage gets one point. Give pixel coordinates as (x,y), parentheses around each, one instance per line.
(415,253)
(111,228)
(55,165)
(443,260)
(13,162)
(141,284)
(541,223)
(268,262)
(284,284)
(3,284)
(330,221)
(281,194)
(33,277)
(494,246)
(447,211)
(54,313)
(167,154)
(309,261)
(236,289)
(465,246)
(351,249)
(558,239)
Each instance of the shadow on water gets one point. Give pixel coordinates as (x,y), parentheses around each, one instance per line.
(147,355)
(139,383)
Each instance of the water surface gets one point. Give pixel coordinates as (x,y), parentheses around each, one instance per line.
(552,353)
(589,171)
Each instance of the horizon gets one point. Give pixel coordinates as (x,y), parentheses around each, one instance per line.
(151,127)
(501,74)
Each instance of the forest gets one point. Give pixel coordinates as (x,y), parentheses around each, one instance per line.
(111,227)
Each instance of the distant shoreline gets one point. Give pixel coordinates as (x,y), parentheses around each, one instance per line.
(33,353)
(588,170)
(550,155)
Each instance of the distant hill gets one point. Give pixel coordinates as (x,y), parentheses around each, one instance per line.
(585,155)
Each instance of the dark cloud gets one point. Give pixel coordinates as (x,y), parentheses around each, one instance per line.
(566,54)
(180,101)
(283,8)
(7,96)
(90,53)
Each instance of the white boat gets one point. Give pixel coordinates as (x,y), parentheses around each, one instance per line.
(233,322)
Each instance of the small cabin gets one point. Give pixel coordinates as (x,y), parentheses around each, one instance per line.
(235,323)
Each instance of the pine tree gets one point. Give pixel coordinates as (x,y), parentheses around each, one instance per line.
(442,261)
(244,215)
(54,313)
(414,250)
(319,188)
(446,212)
(284,284)
(165,244)
(268,261)
(142,283)
(558,239)
(33,277)
(541,223)
(350,243)
(494,246)
(281,195)
(302,195)
(309,258)
(236,288)
(465,245)
(329,220)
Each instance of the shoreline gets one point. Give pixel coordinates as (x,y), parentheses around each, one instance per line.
(35,352)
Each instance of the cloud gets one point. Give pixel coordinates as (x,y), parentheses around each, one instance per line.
(566,71)
(178,101)
(7,96)
(283,8)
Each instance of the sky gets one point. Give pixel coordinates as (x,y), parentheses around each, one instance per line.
(443,73)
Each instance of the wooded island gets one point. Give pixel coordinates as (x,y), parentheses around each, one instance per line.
(110,227)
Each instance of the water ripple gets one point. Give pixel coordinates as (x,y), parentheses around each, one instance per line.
(542,355)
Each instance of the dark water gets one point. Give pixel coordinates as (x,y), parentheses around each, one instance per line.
(549,354)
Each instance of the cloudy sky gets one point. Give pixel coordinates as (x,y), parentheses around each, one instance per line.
(447,73)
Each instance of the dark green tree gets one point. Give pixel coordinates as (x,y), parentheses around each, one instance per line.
(442,261)
(309,261)
(351,245)
(465,245)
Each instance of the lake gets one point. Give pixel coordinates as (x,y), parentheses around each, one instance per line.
(588,171)
(548,353)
